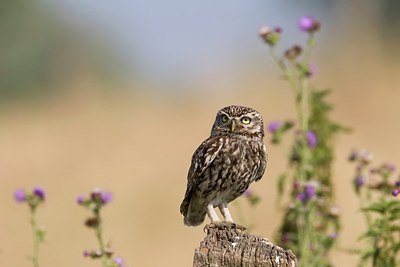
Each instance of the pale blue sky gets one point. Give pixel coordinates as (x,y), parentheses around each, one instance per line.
(178,41)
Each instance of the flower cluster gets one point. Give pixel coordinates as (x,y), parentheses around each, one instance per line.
(278,128)
(375,187)
(308,24)
(271,37)
(307,193)
(34,198)
(308,227)
(96,200)
(95,254)
(376,178)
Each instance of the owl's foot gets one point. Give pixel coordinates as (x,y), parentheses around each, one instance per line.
(223,225)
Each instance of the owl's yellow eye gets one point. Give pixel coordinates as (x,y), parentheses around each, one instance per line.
(246,120)
(224,118)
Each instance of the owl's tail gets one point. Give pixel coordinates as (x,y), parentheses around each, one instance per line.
(193,212)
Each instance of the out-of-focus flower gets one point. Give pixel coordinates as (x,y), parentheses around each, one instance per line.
(396,192)
(19,195)
(359,181)
(106,197)
(397,183)
(251,197)
(80,200)
(333,235)
(334,211)
(307,194)
(86,253)
(308,24)
(353,155)
(312,69)
(119,261)
(293,52)
(311,138)
(248,193)
(274,126)
(285,237)
(365,157)
(39,192)
(271,37)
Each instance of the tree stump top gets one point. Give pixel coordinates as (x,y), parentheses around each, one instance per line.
(229,245)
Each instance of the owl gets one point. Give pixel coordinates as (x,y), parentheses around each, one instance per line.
(224,165)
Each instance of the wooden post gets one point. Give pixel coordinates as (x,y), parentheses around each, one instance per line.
(228,245)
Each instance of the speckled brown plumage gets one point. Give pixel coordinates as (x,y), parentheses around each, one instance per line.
(225,164)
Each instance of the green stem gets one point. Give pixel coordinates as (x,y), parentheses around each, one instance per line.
(36,241)
(99,235)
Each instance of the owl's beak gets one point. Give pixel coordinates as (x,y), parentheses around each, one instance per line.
(233,126)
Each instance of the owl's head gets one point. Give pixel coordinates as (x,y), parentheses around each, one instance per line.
(239,120)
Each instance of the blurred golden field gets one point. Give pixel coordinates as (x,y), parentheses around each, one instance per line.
(137,142)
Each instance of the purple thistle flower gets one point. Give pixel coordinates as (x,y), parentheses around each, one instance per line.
(80,200)
(302,197)
(248,193)
(38,191)
(397,183)
(120,261)
(307,194)
(308,24)
(333,235)
(19,195)
(106,197)
(311,138)
(396,192)
(86,253)
(359,181)
(285,237)
(310,191)
(312,69)
(274,126)
(278,29)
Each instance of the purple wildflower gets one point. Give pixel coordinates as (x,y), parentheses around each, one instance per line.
(278,29)
(308,24)
(248,193)
(309,190)
(311,138)
(80,200)
(86,253)
(312,69)
(271,37)
(19,195)
(285,237)
(396,192)
(39,192)
(397,183)
(274,126)
(301,197)
(308,193)
(359,181)
(120,261)
(333,235)
(106,197)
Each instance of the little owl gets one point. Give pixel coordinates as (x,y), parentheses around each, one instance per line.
(225,164)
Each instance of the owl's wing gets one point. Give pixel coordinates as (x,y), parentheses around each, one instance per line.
(201,160)
(263,163)
(204,156)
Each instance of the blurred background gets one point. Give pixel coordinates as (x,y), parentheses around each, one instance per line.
(119,94)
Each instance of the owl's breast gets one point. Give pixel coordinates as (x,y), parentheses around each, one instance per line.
(233,170)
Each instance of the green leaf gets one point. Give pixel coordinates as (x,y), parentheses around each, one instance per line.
(379,207)
(281,183)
